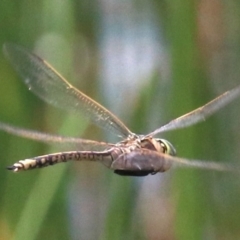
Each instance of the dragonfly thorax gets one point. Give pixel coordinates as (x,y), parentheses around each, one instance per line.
(150,143)
(141,156)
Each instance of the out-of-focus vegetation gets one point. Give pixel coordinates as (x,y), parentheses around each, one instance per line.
(148,62)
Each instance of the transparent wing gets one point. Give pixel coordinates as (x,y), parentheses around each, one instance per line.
(50,86)
(200,114)
(78,143)
(147,160)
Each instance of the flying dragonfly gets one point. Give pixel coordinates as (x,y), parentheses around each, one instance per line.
(134,155)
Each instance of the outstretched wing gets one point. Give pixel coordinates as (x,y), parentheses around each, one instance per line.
(200,114)
(50,86)
(148,161)
(78,143)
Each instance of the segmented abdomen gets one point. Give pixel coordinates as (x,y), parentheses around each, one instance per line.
(51,159)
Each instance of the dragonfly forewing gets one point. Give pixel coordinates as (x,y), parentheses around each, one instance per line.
(200,114)
(50,86)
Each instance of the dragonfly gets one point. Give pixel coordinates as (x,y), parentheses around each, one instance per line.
(135,155)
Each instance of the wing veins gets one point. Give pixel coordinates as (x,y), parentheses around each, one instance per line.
(48,138)
(200,114)
(49,85)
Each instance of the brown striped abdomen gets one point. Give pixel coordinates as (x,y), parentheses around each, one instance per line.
(51,159)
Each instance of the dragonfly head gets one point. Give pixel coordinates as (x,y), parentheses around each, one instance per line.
(166,146)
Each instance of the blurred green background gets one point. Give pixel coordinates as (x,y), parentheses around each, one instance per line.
(148,62)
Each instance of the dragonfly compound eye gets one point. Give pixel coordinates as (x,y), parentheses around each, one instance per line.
(168,147)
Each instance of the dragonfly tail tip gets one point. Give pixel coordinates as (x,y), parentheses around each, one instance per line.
(12,168)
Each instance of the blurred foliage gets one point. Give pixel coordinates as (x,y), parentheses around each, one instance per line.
(87,201)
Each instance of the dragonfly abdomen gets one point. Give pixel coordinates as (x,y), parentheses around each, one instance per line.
(51,159)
